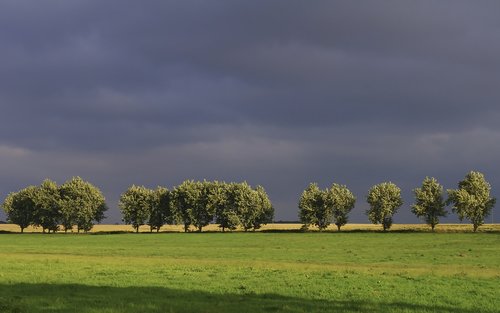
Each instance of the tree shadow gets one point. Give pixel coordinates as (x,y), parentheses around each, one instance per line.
(34,298)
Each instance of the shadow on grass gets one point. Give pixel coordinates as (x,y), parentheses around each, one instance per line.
(36,298)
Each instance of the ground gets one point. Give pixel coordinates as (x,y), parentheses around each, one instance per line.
(352,271)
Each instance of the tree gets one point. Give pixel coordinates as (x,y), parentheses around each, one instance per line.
(165,202)
(384,200)
(472,199)
(265,208)
(202,212)
(20,207)
(135,205)
(341,200)
(245,202)
(429,203)
(313,208)
(220,199)
(47,206)
(160,211)
(184,199)
(82,204)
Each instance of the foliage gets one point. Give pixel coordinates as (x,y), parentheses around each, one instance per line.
(160,210)
(135,205)
(221,199)
(230,205)
(319,207)
(196,203)
(47,212)
(184,197)
(265,208)
(472,199)
(76,202)
(20,207)
(202,210)
(341,201)
(384,200)
(81,204)
(243,203)
(429,203)
(312,209)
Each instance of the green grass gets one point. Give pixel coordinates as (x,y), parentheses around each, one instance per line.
(250,272)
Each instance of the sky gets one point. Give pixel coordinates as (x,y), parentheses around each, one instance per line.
(276,93)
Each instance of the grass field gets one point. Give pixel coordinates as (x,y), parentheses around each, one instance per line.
(251,272)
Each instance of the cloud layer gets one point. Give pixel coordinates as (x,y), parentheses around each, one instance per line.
(276,94)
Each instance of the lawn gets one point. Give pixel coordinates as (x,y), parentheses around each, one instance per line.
(251,272)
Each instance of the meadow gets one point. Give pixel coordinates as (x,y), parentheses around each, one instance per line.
(354,271)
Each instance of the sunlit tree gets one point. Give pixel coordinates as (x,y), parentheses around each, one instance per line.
(429,203)
(384,200)
(472,199)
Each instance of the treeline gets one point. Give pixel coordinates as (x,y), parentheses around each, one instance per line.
(74,203)
(471,201)
(232,205)
(195,203)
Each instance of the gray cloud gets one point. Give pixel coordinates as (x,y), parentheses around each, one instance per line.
(279,95)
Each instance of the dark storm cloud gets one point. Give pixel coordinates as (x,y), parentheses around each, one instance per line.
(275,93)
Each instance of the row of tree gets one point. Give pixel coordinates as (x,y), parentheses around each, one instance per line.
(74,203)
(232,205)
(198,204)
(470,201)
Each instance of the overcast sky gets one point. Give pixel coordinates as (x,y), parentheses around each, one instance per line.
(277,93)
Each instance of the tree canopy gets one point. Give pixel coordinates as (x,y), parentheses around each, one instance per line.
(342,201)
(321,207)
(472,199)
(20,207)
(135,205)
(384,200)
(76,202)
(429,203)
(82,204)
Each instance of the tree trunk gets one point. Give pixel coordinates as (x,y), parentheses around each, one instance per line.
(475,227)
(22,230)
(383,225)
(338,227)
(199,228)
(432,227)
(137,229)
(223,229)
(158,229)
(186,227)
